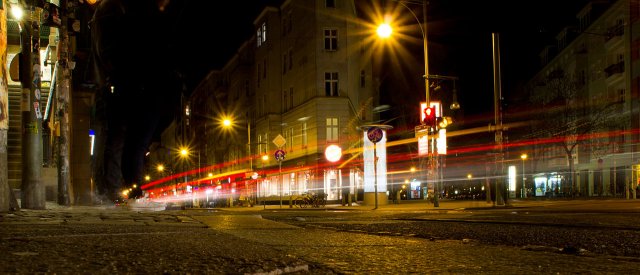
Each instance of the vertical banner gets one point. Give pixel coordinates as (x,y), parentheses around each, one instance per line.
(4,88)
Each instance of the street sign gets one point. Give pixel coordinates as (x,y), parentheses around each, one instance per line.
(279,141)
(279,154)
(374,134)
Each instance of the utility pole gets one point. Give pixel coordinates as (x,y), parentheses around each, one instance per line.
(33,195)
(497,97)
(63,80)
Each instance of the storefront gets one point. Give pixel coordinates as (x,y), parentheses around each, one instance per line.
(548,184)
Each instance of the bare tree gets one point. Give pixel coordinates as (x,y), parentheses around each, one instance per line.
(566,119)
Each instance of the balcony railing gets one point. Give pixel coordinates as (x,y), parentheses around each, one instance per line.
(613,69)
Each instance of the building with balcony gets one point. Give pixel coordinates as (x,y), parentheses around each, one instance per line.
(587,90)
(304,76)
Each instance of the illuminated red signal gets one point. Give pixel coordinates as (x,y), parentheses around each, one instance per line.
(429,116)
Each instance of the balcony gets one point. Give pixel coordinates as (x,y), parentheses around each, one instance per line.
(614,69)
(613,37)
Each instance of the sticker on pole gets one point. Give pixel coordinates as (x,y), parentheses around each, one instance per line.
(374,134)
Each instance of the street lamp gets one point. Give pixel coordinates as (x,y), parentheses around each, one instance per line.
(265,158)
(523,157)
(384,31)
(184,154)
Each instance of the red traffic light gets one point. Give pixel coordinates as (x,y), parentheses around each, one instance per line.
(429,116)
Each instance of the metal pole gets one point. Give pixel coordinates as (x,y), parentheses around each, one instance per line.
(249,145)
(375,176)
(497,94)
(430,156)
(524,190)
(281,183)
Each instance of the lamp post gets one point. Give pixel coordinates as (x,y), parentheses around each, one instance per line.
(384,31)
(265,158)
(524,192)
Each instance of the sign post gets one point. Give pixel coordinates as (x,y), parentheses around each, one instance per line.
(374,134)
(279,155)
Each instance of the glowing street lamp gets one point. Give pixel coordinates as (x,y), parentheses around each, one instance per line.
(384,30)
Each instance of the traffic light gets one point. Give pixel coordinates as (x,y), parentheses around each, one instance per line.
(430,116)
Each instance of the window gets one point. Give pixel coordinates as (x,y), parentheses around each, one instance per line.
(304,134)
(330,3)
(284,100)
(362,79)
(332,129)
(259,37)
(331,39)
(285,26)
(258,75)
(261,34)
(290,139)
(621,95)
(291,97)
(284,63)
(331,84)
(264,65)
(290,59)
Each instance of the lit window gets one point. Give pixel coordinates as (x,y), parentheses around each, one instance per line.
(259,37)
(331,84)
(304,134)
(264,31)
(331,39)
(332,129)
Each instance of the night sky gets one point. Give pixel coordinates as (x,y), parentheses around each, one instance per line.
(459,37)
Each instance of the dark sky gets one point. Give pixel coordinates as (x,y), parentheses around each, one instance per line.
(212,31)
(459,35)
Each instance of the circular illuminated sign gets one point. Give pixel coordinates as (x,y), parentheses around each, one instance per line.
(333,153)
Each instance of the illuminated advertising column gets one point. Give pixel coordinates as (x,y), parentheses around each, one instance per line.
(375,171)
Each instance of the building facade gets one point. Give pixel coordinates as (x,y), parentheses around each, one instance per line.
(301,83)
(588,87)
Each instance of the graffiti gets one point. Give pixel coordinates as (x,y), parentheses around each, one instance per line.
(4,87)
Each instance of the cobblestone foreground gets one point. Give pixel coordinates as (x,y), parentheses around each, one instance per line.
(111,241)
(116,241)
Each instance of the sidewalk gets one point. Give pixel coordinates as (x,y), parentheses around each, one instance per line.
(592,204)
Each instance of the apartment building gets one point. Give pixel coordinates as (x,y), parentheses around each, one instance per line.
(305,79)
(588,86)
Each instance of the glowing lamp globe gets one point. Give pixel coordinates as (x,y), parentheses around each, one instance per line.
(333,153)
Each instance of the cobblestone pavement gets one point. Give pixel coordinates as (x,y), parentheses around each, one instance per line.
(243,241)
(116,241)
